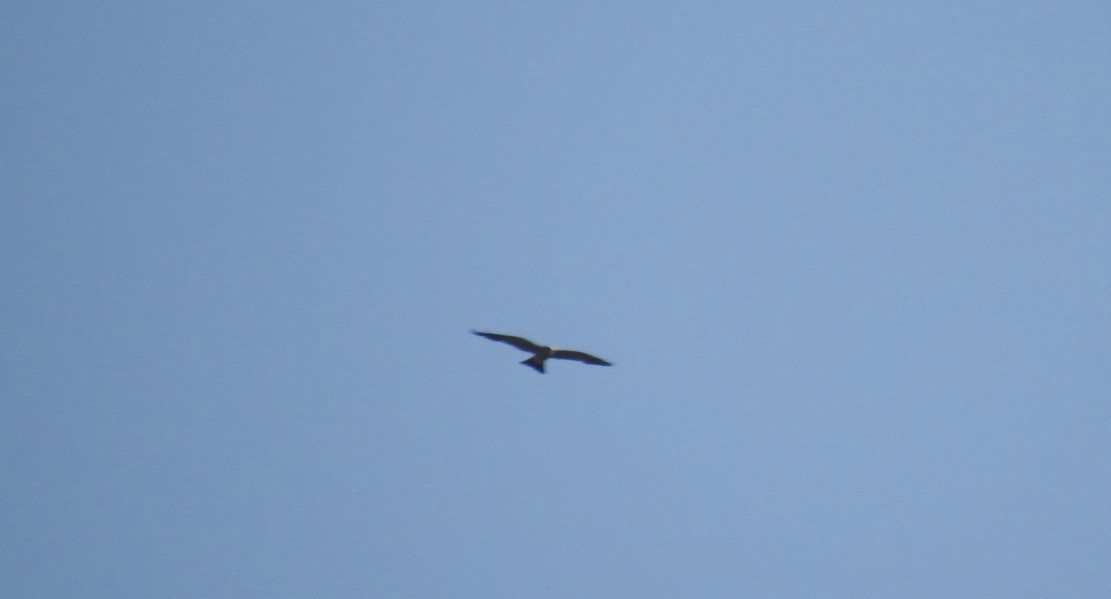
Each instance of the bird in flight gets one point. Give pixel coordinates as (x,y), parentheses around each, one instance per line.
(540,353)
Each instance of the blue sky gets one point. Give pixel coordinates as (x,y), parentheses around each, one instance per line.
(851,260)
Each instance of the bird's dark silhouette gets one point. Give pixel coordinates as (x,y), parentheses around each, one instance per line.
(540,353)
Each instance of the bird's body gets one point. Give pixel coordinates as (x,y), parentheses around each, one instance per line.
(540,353)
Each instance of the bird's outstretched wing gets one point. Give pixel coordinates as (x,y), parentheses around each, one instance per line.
(518,342)
(570,354)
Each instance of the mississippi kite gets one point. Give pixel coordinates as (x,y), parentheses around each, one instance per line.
(540,353)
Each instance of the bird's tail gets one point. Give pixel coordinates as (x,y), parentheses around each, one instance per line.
(536,363)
